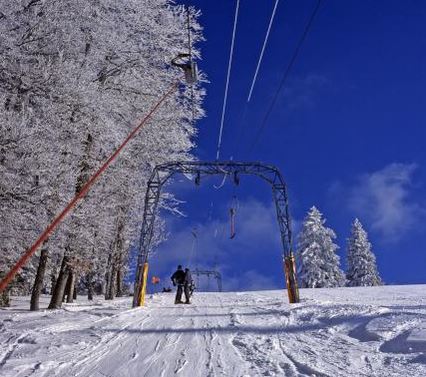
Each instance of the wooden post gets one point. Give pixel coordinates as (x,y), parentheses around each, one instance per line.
(291,281)
(144,281)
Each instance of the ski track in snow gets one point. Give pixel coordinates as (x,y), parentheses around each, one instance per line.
(377,331)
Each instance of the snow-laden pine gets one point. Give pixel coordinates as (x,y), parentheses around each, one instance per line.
(316,254)
(75,77)
(362,267)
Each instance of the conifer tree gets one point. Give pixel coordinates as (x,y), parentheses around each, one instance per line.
(362,268)
(316,251)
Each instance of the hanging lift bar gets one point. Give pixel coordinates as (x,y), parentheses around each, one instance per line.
(232,213)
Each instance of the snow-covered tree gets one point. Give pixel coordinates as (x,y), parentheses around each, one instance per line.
(362,268)
(316,253)
(75,77)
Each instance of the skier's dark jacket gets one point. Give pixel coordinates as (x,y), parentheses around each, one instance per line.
(188,277)
(178,277)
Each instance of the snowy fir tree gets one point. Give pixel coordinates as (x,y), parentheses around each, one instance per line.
(316,253)
(362,268)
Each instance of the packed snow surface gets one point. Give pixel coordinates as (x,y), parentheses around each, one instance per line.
(377,331)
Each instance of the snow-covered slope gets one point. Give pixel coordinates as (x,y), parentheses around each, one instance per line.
(378,331)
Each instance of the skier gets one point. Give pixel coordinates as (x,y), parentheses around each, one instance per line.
(188,286)
(178,279)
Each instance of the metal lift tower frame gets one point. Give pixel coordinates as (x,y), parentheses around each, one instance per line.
(208,273)
(162,173)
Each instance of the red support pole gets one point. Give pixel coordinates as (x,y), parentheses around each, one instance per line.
(84,190)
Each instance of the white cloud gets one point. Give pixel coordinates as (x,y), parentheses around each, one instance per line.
(302,92)
(385,199)
(251,280)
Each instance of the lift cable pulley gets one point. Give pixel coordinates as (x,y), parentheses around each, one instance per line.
(189,67)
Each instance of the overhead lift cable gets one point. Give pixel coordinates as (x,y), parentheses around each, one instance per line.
(259,62)
(193,247)
(191,61)
(225,98)
(286,74)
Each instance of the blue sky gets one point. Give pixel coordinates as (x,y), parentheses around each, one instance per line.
(347,132)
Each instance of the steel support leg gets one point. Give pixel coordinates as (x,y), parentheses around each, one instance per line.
(291,280)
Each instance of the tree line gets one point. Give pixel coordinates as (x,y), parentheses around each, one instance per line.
(319,265)
(75,77)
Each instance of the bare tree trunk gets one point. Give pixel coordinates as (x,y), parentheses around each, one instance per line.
(70,286)
(52,282)
(90,293)
(89,286)
(109,275)
(119,264)
(4,296)
(119,282)
(84,174)
(58,291)
(38,283)
(103,287)
(74,296)
(4,299)
(111,283)
(67,287)
(114,280)
(107,282)
(113,286)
